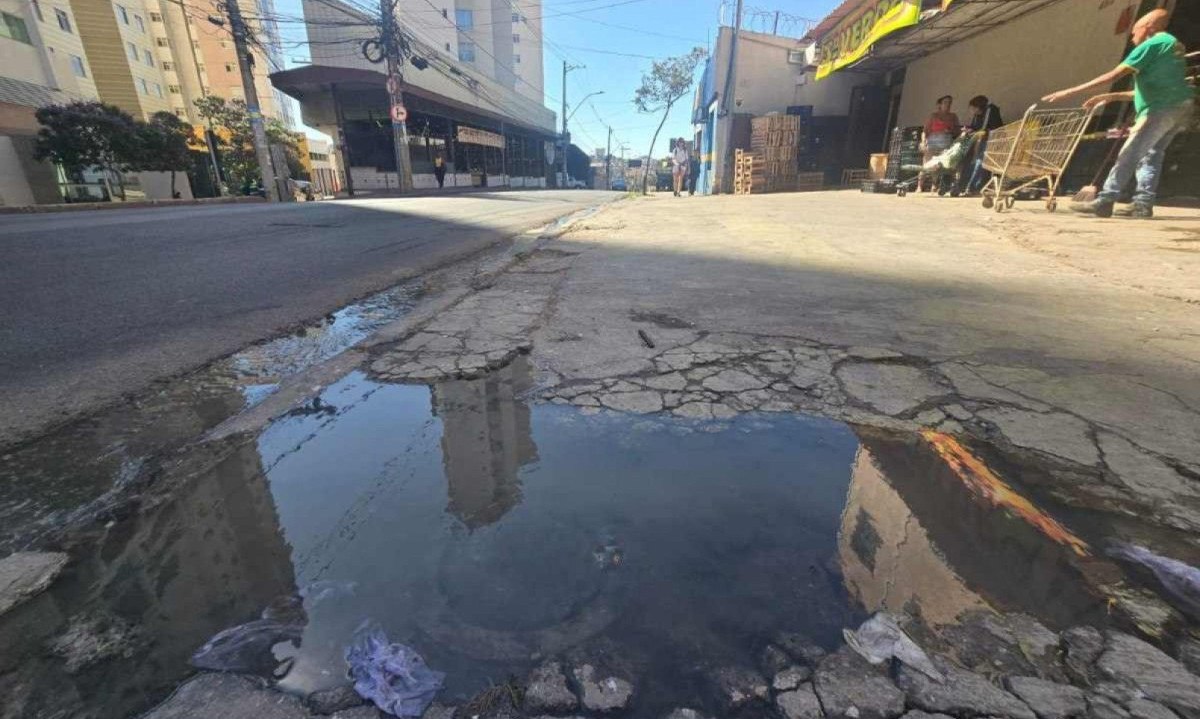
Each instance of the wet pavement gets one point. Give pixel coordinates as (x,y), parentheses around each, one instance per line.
(491,531)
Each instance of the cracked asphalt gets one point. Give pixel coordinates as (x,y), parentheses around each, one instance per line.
(1070,339)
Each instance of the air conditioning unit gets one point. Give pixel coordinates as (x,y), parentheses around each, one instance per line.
(812,55)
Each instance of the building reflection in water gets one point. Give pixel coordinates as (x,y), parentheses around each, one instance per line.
(486,439)
(915,538)
(207,557)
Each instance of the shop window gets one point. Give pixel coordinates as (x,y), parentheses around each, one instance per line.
(64,20)
(14,28)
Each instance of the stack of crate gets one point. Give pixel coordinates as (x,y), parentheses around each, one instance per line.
(746,176)
(776,140)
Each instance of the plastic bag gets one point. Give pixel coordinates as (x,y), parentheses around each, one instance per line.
(1181,580)
(247,647)
(392,676)
(880,638)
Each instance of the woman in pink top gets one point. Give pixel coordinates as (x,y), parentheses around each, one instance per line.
(940,130)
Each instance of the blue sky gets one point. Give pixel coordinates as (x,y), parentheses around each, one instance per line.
(615,40)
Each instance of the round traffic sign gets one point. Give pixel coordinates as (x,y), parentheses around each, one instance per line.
(399,113)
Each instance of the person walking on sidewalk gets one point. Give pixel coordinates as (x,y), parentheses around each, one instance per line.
(439,170)
(679,164)
(1164,102)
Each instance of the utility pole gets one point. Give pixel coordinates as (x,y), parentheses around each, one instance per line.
(608,160)
(209,141)
(245,63)
(393,48)
(775,29)
(565,138)
(730,88)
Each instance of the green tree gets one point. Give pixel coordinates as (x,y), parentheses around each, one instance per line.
(163,145)
(666,84)
(231,122)
(82,135)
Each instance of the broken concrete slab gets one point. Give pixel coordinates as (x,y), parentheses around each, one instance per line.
(800,703)
(93,638)
(546,691)
(1049,700)
(848,686)
(602,693)
(963,693)
(1146,709)
(801,648)
(790,678)
(890,388)
(1083,646)
(26,574)
(228,696)
(1101,707)
(1131,661)
(734,380)
(737,687)
(334,700)
(1055,433)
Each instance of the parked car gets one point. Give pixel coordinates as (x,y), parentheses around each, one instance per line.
(618,184)
(576,184)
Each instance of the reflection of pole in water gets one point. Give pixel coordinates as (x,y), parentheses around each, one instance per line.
(486,439)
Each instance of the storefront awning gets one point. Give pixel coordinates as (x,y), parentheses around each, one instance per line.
(314,80)
(896,39)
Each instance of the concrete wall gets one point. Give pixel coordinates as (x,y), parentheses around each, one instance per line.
(1015,64)
(157,185)
(14,188)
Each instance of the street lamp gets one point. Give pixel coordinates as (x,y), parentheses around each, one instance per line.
(585,99)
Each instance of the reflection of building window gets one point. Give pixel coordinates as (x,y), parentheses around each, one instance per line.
(155,17)
(516,59)
(37,10)
(168,66)
(64,20)
(142,86)
(14,28)
(162,42)
(157,90)
(141,24)
(228,67)
(465,19)
(133,52)
(466,51)
(123,14)
(516,39)
(78,67)
(174,89)
(148,58)
(516,17)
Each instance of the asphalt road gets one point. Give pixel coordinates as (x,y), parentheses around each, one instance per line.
(97,304)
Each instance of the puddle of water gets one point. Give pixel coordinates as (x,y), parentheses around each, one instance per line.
(77,469)
(489,533)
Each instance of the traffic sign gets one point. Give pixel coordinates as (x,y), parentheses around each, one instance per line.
(399,113)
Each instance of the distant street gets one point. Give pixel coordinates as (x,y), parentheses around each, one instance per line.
(97,304)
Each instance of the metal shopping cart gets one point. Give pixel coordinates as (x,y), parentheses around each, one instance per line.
(1032,151)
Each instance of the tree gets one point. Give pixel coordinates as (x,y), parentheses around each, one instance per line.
(163,145)
(81,135)
(668,82)
(231,124)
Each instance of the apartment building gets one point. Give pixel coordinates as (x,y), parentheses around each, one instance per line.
(118,40)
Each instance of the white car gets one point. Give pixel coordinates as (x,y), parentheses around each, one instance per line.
(574,184)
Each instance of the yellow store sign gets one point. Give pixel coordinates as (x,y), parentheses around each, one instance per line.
(852,38)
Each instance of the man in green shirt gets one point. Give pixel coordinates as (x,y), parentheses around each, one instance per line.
(1164,102)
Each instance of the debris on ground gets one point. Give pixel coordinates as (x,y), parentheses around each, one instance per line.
(1181,580)
(94,638)
(26,574)
(546,691)
(248,648)
(601,693)
(392,676)
(881,639)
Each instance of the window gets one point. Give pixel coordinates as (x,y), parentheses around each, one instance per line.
(174,89)
(155,17)
(37,10)
(162,42)
(78,67)
(141,24)
(516,17)
(123,14)
(466,51)
(516,39)
(516,59)
(14,28)
(168,66)
(133,52)
(142,86)
(147,58)
(64,20)
(229,67)
(181,112)
(465,19)
(158,90)
(447,47)
(444,14)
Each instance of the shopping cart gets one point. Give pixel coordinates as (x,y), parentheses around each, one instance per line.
(903,153)
(1032,151)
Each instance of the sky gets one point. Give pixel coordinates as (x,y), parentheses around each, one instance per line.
(616,41)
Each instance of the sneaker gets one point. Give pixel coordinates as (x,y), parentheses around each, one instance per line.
(1137,212)
(1099,208)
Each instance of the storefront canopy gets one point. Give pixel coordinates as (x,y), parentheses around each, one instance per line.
(884,35)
